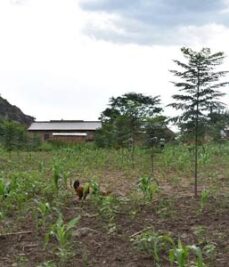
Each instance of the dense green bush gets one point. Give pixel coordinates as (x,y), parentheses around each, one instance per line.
(14,136)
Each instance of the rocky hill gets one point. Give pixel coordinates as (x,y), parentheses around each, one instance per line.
(11,112)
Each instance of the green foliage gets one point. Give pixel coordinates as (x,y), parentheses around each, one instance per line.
(154,244)
(34,142)
(124,118)
(43,209)
(62,232)
(181,255)
(59,174)
(13,135)
(133,105)
(21,187)
(208,247)
(218,121)
(148,187)
(107,207)
(95,188)
(204,197)
(199,96)
(198,85)
(4,188)
(177,156)
(46,146)
(157,127)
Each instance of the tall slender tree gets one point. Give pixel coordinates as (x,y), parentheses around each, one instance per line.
(199,81)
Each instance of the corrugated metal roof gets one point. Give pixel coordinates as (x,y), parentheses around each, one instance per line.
(64,125)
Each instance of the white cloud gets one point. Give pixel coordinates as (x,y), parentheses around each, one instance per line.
(207,35)
(148,22)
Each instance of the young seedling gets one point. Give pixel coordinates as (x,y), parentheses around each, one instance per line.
(57,174)
(154,244)
(4,188)
(62,232)
(107,208)
(43,209)
(148,188)
(180,255)
(107,205)
(95,189)
(198,254)
(204,197)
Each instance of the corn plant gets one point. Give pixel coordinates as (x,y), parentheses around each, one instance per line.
(153,243)
(95,189)
(4,188)
(107,205)
(147,187)
(198,254)
(106,208)
(62,232)
(176,157)
(9,190)
(95,192)
(204,197)
(22,187)
(205,157)
(208,247)
(180,255)
(59,174)
(43,209)
(41,166)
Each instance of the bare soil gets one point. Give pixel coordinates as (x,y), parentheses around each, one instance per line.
(94,246)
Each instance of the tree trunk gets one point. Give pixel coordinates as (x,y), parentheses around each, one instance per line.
(196,136)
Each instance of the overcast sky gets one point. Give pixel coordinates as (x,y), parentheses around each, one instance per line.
(64,59)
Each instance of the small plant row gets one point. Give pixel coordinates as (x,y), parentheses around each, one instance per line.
(162,248)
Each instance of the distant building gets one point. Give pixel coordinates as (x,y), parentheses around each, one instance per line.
(69,131)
